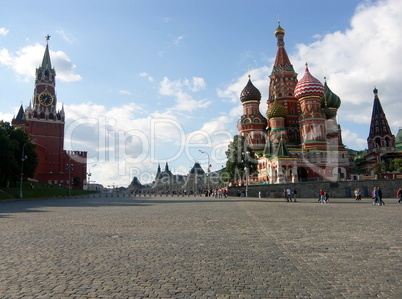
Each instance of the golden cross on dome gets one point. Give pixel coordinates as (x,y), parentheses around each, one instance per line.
(249,68)
(305,58)
(47,37)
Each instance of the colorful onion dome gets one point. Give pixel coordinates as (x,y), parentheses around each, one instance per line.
(308,86)
(333,101)
(329,112)
(276,110)
(250,93)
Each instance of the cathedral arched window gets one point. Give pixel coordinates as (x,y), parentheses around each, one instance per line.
(387,142)
(378,142)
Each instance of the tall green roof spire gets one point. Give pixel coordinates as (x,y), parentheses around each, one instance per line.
(46,64)
(282,150)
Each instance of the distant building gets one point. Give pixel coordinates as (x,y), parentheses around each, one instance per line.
(197,180)
(45,127)
(383,146)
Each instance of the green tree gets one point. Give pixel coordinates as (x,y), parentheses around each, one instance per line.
(240,157)
(12,142)
(76,181)
(379,169)
(396,165)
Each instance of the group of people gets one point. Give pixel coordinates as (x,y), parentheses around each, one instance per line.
(358,194)
(323,197)
(288,194)
(376,194)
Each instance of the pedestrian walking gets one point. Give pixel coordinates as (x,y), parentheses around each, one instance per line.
(399,195)
(326,197)
(357,194)
(322,196)
(380,201)
(374,196)
(295,195)
(288,194)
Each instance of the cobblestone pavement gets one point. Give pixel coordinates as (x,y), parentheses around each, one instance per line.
(193,247)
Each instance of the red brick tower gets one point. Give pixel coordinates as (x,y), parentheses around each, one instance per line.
(252,124)
(283,80)
(45,125)
(309,92)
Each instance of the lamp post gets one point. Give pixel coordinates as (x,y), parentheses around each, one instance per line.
(89,176)
(23,157)
(70,168)
(209,167)
(246,169)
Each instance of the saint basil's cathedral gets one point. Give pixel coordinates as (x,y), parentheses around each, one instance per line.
(300,140)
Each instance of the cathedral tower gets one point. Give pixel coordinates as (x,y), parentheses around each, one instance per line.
(283,80)
(309,92)
(380,137)
(252,124)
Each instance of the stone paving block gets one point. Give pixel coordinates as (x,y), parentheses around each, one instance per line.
(199,248)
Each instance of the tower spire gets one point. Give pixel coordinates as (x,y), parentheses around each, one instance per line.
(46,64)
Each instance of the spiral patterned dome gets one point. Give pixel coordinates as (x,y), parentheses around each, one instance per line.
(329,112)
(276,110)
(308,86)
(333,101)
(250,93)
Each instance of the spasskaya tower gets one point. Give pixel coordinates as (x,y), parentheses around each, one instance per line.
(45,126)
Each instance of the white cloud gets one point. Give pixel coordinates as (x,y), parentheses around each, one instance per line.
(180,90)
(144,74)
(352,140)
(123,143)
(258,77)
(27,59)
(196,84)
(67,37)
(124,92)
(356,60)
(3,31)
(178,40)
(7,116)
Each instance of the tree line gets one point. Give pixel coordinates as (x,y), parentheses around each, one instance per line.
(15,148)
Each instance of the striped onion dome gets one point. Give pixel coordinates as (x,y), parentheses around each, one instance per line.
(250,93)
(276,110)
(308,86)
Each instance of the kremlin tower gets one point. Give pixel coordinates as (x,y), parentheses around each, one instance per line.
(45,126)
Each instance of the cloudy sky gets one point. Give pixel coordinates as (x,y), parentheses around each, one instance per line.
(146,82)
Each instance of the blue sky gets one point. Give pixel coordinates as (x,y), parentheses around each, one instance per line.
(147,82)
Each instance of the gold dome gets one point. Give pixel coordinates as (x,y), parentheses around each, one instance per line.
(276,110)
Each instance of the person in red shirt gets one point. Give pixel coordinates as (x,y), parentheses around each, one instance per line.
(399,195)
